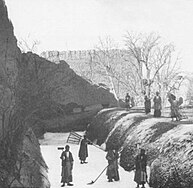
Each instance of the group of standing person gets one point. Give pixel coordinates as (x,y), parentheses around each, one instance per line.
(129,101)
(157,105)
(140,167)
(112,157)
(67,161)
(174,105)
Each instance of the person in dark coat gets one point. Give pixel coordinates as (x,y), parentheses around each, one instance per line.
(112,169)
(147,104)
(127,100)
(140,169)
(116,178)
(83,151)
(67,166)
(157,105)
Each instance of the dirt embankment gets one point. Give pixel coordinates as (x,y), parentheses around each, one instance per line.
(168,144)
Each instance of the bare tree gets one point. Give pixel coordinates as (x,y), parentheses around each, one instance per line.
(28,45)
(107,57)
(153,59)
(131,75)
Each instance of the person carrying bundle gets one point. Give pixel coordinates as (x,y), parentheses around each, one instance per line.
(175,104)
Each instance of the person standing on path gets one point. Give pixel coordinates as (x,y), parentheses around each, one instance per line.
(140,169)
(147,105)
(83,151)
(157,105)
(112,169)
(127,101)
(116,165)
(67,166)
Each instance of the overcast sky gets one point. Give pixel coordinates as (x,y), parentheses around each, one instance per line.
(77,24)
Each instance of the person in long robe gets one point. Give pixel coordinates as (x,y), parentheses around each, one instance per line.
(116,178)
(127,101)
(112,169)
(140,169)
(83,151)
(147,105)
(157,105)
(67,166)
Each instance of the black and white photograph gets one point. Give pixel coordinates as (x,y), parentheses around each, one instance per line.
(96,93)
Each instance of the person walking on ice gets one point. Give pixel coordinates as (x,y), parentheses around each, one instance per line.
(67,166)
(140,169)
(83,151)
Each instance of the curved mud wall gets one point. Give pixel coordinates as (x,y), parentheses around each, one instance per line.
(168,144)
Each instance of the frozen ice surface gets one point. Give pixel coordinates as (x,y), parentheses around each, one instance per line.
(82,173)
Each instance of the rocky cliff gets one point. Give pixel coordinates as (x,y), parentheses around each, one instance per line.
(63,84)
(167,144)
(9,57)
(37,95)
(18,154)
(31,167)
(55,98)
